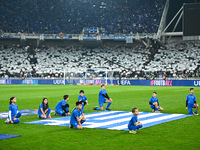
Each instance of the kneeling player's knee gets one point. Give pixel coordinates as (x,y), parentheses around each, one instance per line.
(101,108)
(197,105)
(79,127)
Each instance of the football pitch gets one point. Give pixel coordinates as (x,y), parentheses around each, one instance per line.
(178,134)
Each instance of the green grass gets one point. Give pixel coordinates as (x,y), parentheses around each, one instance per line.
(179,134)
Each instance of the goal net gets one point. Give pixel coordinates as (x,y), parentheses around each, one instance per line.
(90,76)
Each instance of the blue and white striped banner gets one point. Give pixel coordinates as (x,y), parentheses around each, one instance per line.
(114,120)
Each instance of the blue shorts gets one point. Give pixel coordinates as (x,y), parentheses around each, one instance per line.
(190,108)
(101,102)
(17,120)
(74,124)
(153,107)
(133,127)
(59,111)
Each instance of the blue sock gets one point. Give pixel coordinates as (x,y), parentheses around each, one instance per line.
(98,109)
(67,108)
(108,105)
(195,112)
(156,109)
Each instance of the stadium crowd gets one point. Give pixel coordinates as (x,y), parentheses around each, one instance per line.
(178,61)
(70,16)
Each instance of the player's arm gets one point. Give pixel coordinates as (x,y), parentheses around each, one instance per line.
(46,111)
(106,96)
(78,120)
(195,100)
(187,103)
(150,102)
(134,121)
(86,100)
(82,116)
(9,113)
(42,111)
(139,122)
(64,106)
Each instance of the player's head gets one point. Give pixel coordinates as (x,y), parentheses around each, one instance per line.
(135,111)
(66,97)
(79,105)
(191,90)
(45,101)
(154,94)
(81,93)
(13,100)
(103,86)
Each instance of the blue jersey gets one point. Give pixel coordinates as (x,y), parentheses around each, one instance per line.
(84,98)
(75,113)
(41,106)
(133,120)
(153,100)
(101,97)
(191,99)
(13,109)
(60,104)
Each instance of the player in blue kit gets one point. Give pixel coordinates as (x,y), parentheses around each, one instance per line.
(134,124)
(76,119)
(62,108)
(44,110)
(154,103)
(103,98)
(13,114)
(82,98)
(191,103)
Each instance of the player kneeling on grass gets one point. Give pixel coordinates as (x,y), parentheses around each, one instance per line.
(191,103)
(13,114)
(103,98)
(76,119)
(62,108)
(155,103)
(82,98)
(134,124)
(44,110)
